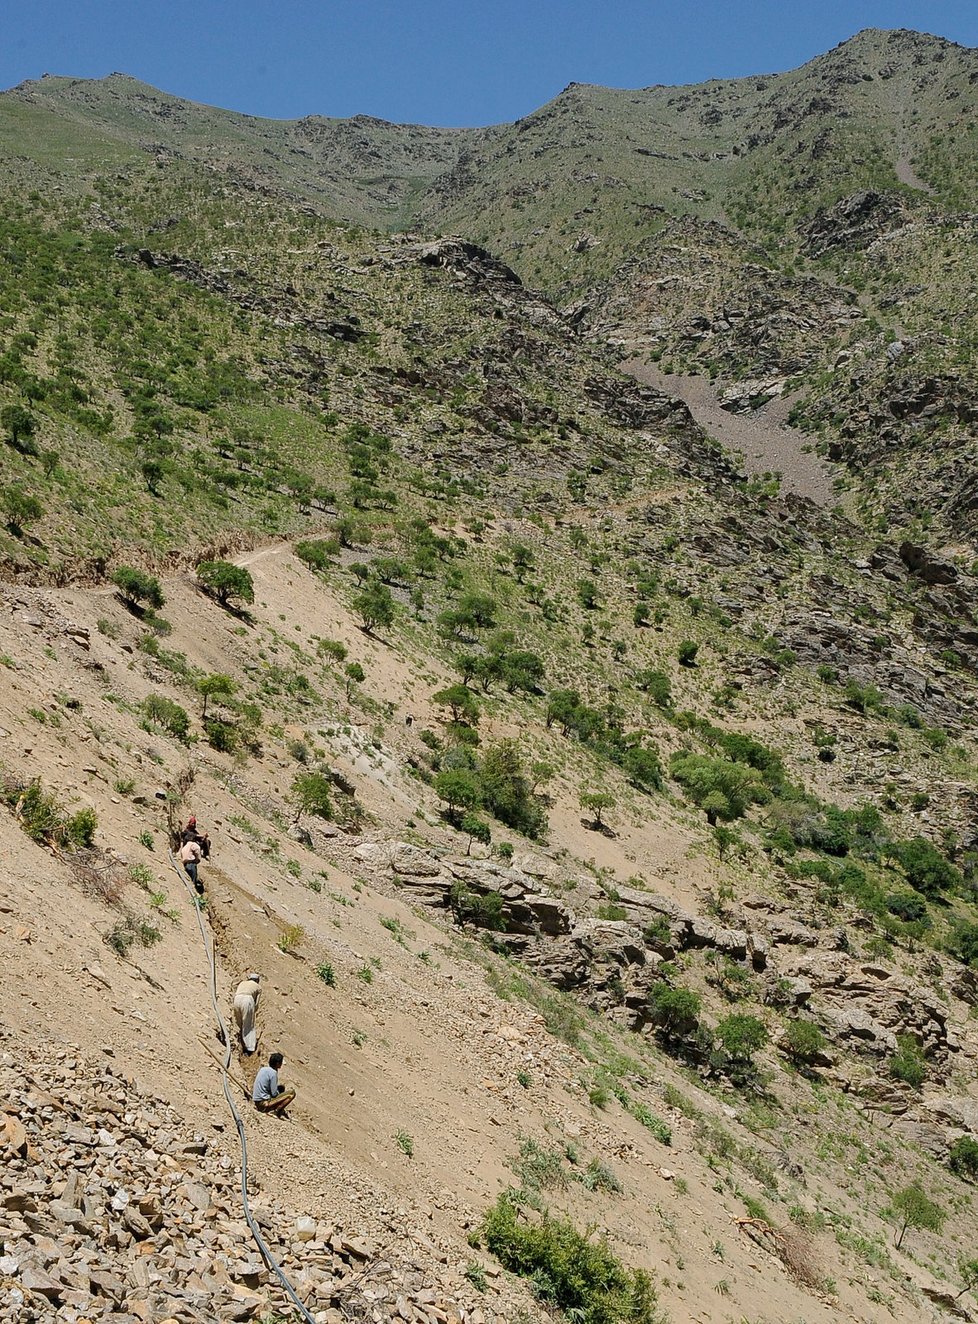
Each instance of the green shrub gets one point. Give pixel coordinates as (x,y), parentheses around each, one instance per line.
(741,1035)
(676,1011)
(687,653)
(962,942)
(657,686)
(597,1176)
(963,1157)
(908,1063)
(908,906)
(722,789)
(221,734)
(79,829)
(928,872)
(660,1129)
(804,1041)
(43,817)
(483,909)
(163,712)
(136,587)
(539,1169)
(642,766)
(225,581)
(583,1278)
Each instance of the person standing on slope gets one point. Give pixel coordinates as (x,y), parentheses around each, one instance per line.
(246,997)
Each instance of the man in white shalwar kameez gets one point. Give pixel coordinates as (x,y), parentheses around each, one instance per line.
(245,1007)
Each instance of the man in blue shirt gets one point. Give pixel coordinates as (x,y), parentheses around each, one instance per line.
(268,1095)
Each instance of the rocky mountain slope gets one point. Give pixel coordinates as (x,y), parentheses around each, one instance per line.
(599,810)
(794,232)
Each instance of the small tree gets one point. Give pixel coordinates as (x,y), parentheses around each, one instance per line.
(20,508)
(687,653)
(968,1269)
(523,560)
(355,675)
(311,795)
(676,1011)
(803,1042)
(741,1035)
(318,553)
(963,1157)
(137,588)
(476,829)
(226,581)
(460,702)
(333,649)
(20,426)
(217,686)
(596,803)
(912,1208)
(459,788)
(375,606)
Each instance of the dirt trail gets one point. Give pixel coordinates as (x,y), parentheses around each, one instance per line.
(764,438)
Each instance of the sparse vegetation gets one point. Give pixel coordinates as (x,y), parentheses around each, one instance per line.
(581,1277)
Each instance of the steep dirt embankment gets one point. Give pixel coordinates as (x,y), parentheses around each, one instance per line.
(418,1084)
(763,437)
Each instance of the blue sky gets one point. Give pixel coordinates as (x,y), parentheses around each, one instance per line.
(435,61)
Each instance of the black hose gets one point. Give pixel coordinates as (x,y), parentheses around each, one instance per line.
(266,1253)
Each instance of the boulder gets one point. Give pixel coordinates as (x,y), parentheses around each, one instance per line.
(412,861)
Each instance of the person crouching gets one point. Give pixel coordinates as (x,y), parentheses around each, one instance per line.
(268,1095)
(190,857)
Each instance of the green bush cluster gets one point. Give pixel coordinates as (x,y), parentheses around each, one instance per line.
(164,713)
(963,1157)
(519,669)
(603,731)
(722,789)
(484,910)
(44,818)
(581,1277)
(727,1048)
(495,781)
(137,588)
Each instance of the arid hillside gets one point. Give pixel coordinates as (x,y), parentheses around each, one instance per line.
(565,630)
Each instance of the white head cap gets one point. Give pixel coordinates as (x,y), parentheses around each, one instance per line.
(255,977)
